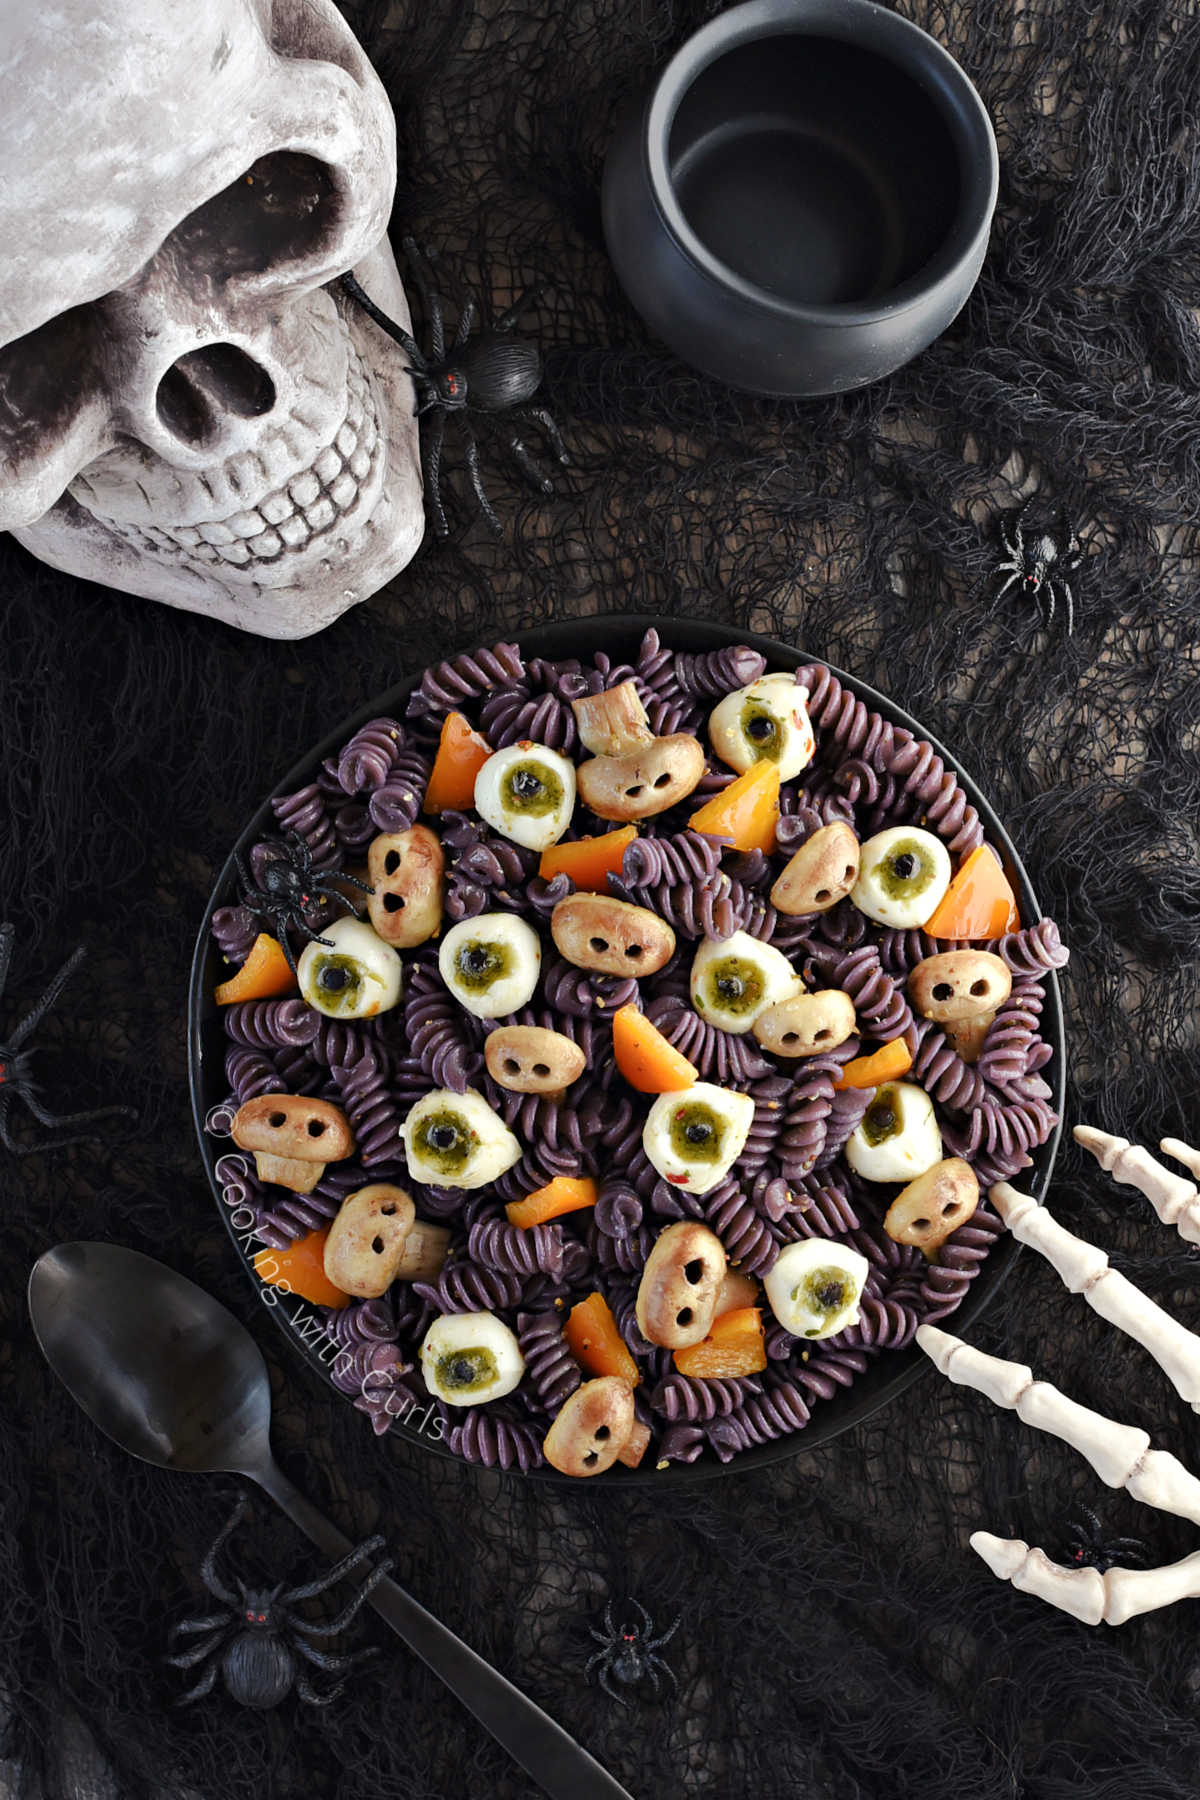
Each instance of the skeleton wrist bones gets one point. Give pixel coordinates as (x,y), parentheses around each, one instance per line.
(1121,1455)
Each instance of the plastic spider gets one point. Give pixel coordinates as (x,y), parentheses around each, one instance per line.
(16,1063)
(630,1654)
(255,1641)
(288,888)
(493,372)
(1085,1545)
(1041,565)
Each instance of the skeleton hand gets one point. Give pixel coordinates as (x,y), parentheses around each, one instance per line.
(1120,1455)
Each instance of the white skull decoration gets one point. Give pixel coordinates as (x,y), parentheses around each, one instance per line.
(190,408)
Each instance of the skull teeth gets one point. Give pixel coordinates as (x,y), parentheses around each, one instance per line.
(311,503)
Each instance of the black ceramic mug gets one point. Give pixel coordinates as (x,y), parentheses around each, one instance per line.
(804,201)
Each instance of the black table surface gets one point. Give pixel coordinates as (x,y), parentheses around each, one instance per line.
(838,1637)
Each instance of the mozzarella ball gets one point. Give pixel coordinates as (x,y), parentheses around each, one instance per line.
(456,1140)
(491,963)
(468,1358)
(353,974)
(527,793)
(734,979)
(768,720)
(694,1138)
(902,876)
(898,1135)
(814,1287)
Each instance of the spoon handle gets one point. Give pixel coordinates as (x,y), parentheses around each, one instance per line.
(543,1749)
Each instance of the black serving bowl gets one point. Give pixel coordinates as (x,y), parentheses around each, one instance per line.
(619,634)
(803,203)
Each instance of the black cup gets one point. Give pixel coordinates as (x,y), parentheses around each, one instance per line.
(803,203)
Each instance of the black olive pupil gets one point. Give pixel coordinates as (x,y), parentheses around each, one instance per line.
(443,1137)
(462,1372)
(760,728)
(475,959)
(333,980)
(697,1132)
(730,987)
(526,784)
(883,1118)
(829,1295)
(905,866)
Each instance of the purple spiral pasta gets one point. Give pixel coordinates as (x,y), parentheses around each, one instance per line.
(1035,950)
(514,715)
(959,1261)
(369,755)
(395,803)
(306,813)
(680,1397)
(692,856)
(932,794)
(470,1287)
(879,1005)
(493,1243)
(366,1098)
(940,1070)
(250,1073)
(444,1039)
(482,1434)
(234,930)
(270,1024)
(583,994)
(1011,1045)
(552,1369)
(450,685)
(748,1239)
(711,674)
(770,1099)
(845,1115)
(731,1059)
(809,1105)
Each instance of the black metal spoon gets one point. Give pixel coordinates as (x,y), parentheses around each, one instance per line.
(169,1374)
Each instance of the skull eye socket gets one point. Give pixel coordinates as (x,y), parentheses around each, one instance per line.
(284,209)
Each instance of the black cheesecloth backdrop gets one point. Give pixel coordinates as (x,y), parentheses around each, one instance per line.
(838,1636)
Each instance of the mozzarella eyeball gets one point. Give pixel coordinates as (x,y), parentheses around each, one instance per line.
(491,963)
(457,1141)
(734,979)
(468,1358)
(898,1135)
(814,1287)
(767,720)
(903,874)
(527,793)
(353,974)
(694,1138)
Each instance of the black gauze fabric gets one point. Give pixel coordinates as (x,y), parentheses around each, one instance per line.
(838,1638)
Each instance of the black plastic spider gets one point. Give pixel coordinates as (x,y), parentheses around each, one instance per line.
(493,372)
(1085,1547)
(289,887)
(1041,566)
(16,1063)
(630,1654)
(254,1643)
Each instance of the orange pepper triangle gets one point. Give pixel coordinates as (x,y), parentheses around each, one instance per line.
(979,903)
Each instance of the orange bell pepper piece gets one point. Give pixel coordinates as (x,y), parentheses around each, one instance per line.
(595,1343)
(649,1061)
(734,1346)
(300,1269)
(566,1193)
(265,973)
(979,903)
(588,861)
(885,1064)
(461,753)
(747,811)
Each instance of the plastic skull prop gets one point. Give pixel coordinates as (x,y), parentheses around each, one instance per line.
(189,407)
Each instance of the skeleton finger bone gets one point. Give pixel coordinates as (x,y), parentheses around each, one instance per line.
(1107,1599)
(1084,1269)
(1120,1454)
(1175,1199)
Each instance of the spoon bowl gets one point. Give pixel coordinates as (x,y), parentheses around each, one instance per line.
(170,1375)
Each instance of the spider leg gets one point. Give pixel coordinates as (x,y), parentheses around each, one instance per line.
(309,1694)
(551,430)
(33,1019)
(323,884)
(351,1560)
(205,1624)
(1070,600)
(526,463)
(1003,589)
(508,319)
(645,1616)
(208,1568)
(204,1686)
(610,1690)
(610,1624)
(406,342)
(466,320)
(1050,604)
(657,1671)
(8,937)
(433,475)
(658,1642)
(326,1659)
(187,1659)
(44,1117)
(348,1611)
(485,505)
